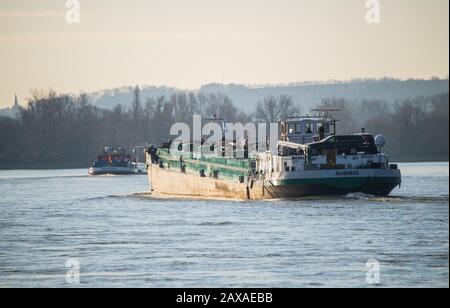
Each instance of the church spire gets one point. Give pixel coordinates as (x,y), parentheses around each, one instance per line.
(16,102)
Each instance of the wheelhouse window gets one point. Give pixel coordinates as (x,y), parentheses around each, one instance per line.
(326,127)
(295,128)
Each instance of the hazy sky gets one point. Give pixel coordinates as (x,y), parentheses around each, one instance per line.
(187,43)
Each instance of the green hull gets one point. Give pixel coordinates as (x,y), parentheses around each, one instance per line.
(303,183)
(381,186)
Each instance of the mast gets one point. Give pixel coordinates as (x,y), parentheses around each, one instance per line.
(326,113)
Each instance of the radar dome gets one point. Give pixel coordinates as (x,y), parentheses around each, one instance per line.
(380,141)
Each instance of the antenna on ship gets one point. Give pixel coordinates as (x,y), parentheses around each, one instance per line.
(214,119)
(326,113)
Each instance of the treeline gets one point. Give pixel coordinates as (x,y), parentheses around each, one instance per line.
(64,130)
(57,130)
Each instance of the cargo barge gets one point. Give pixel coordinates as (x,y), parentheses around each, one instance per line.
(115,161)
(310,160)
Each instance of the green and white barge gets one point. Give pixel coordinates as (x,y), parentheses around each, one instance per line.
(290,172)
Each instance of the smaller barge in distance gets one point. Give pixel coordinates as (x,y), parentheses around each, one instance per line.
(115,161)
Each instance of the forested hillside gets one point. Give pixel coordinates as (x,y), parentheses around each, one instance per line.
(61,129)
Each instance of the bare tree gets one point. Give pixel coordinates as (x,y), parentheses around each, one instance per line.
(64,129)
(272,109)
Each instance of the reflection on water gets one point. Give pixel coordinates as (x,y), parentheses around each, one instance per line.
(425,169)
(123,238)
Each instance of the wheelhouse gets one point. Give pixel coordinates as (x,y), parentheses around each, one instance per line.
(304,130)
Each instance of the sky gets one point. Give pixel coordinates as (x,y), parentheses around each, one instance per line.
(188,43)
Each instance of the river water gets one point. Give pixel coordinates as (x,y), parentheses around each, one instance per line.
(120,238)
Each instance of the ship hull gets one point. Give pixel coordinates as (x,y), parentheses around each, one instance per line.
(167,182)
(377,187)
(378,182)
(112,171)
(309,183)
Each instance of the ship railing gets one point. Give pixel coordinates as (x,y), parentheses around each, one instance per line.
(292,145)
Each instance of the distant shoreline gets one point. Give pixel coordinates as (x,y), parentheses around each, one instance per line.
(62,166)
(44,166)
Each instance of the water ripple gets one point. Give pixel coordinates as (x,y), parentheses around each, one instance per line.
(121,236)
